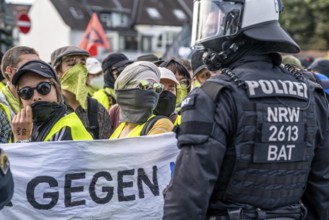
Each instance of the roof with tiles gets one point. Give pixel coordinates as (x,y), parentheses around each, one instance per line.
(77,13)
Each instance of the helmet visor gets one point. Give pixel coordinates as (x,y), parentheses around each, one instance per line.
(214,19)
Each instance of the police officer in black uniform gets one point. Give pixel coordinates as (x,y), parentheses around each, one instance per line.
(6,181)
(254,140)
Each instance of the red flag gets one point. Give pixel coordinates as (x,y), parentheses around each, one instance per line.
(94,36)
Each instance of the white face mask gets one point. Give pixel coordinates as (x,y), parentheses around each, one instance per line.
(97,82)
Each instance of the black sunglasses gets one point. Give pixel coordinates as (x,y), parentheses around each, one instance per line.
(27,92)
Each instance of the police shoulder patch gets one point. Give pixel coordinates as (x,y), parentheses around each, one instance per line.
(4,162)
(188,102)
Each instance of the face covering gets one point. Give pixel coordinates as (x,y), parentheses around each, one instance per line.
(97,82)
(44,111)
(13,101)
(136,105)
(44,116)
(109,79)
(74,81)
(181,93)
(166,104)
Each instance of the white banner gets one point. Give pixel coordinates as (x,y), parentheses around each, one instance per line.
(103,179)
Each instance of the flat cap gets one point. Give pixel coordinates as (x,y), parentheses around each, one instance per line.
(56,55)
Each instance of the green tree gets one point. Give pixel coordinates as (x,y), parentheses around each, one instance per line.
(307,22)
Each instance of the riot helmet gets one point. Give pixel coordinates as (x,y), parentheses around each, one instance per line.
(217,21)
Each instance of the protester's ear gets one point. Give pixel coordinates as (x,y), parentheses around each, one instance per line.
(9,71)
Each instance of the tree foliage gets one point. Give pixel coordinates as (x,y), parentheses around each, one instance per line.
(307,22)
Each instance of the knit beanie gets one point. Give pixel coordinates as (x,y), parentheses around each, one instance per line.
(135,72)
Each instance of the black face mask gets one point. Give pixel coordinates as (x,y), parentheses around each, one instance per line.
(45,115)
(166,104)
(43,111)
(109,79)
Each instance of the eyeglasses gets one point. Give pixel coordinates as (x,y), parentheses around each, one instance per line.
(185,82)
(27,92)
(144,84)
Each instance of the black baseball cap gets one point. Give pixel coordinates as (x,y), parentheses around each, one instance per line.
(36,66)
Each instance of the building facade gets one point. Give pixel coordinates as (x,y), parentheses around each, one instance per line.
(132,27)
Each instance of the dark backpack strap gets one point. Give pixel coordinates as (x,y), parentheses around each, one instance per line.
(92,110)
(149,124)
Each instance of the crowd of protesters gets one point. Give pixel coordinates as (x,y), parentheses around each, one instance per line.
(77,97)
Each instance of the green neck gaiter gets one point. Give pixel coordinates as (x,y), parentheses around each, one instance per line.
(181,93)
(74,81)
(12,100)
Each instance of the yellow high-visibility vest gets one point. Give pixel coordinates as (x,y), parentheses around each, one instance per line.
(78,130)
(178,120)
(101,96)
(134,133)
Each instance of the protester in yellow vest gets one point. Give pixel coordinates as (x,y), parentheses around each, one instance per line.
(43,117)
(13,59)
(137,90)
(69,63)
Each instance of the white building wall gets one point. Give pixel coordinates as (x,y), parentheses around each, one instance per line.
(155,31)
(48,30)
(75,38)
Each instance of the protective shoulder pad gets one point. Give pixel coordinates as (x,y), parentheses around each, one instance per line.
(198,110)
(212,89)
